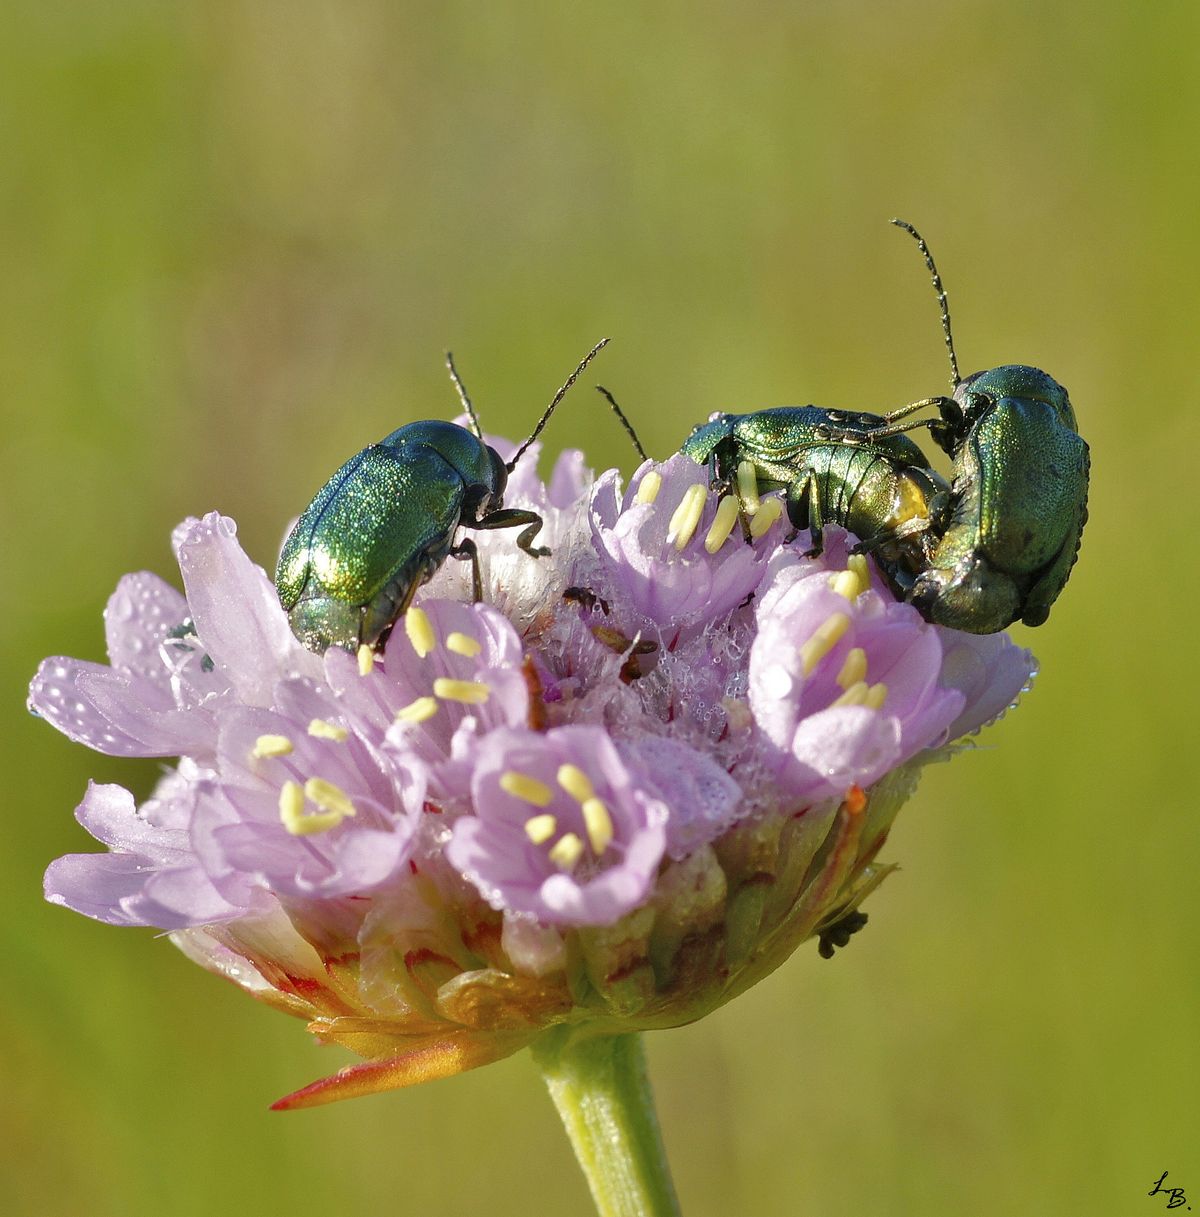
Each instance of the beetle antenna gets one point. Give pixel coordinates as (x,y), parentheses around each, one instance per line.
(637,443)
(462,396)
(956,380)
(511,465)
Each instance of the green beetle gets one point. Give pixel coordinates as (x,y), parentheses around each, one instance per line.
(386,521)
(1017,506)
(834,471)
(1011,529)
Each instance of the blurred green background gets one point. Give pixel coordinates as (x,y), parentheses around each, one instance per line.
(237,238)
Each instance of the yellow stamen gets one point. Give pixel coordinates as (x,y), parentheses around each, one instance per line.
(854,669)
(649,487)
(876,696)
(566,851)
(312,823)
(522,786)
(855,695)
(329,797)
(747,481)
(846,583)
(463,644)
(418,711)
(320,729)
(686,518)
(599,825)
(271,745)
(420,631)
(291,809)
(824,639)
(291,803)
(722,525)
(858,564)
(576,783)
(470,692)
(539,829)
(767,514)
(366,660)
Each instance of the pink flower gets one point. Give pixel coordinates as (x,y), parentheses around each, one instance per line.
(623,803)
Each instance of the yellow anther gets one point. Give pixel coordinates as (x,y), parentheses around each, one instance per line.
(767,514)
(366,660)
(876,696)
(566,851)
(329,797)
(418,711)
(649,487)
(846,583)
(539,829)
(463,644)
(576,783)
(686,518)
(722,525)
(271,745)
(599,825)
(291,803)
(747,481)
(858,564)
(824,639)
(469,692)
(293,817)
(420,631)
(320,729)
(855,695)
(314,822)
(522,786)
(854,669)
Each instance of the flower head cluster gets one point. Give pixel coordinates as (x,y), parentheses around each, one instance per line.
(621,788)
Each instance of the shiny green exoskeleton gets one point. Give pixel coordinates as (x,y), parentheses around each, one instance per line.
(386,521)
(995,547)
(1018,503)
(1017,508)
(382,525)
(833,471)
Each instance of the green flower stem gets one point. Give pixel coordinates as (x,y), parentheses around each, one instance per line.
(600,1087)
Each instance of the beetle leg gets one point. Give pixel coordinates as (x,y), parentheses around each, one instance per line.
(511,517)
(803,497)
(948,437)
(946,430)
(872,543)
(904,411)
(466,548)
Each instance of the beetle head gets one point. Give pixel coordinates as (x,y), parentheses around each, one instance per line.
(979,392)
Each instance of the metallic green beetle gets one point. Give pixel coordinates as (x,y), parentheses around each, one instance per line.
(386,521)
(1011,529)
(996,546)
(834,470)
